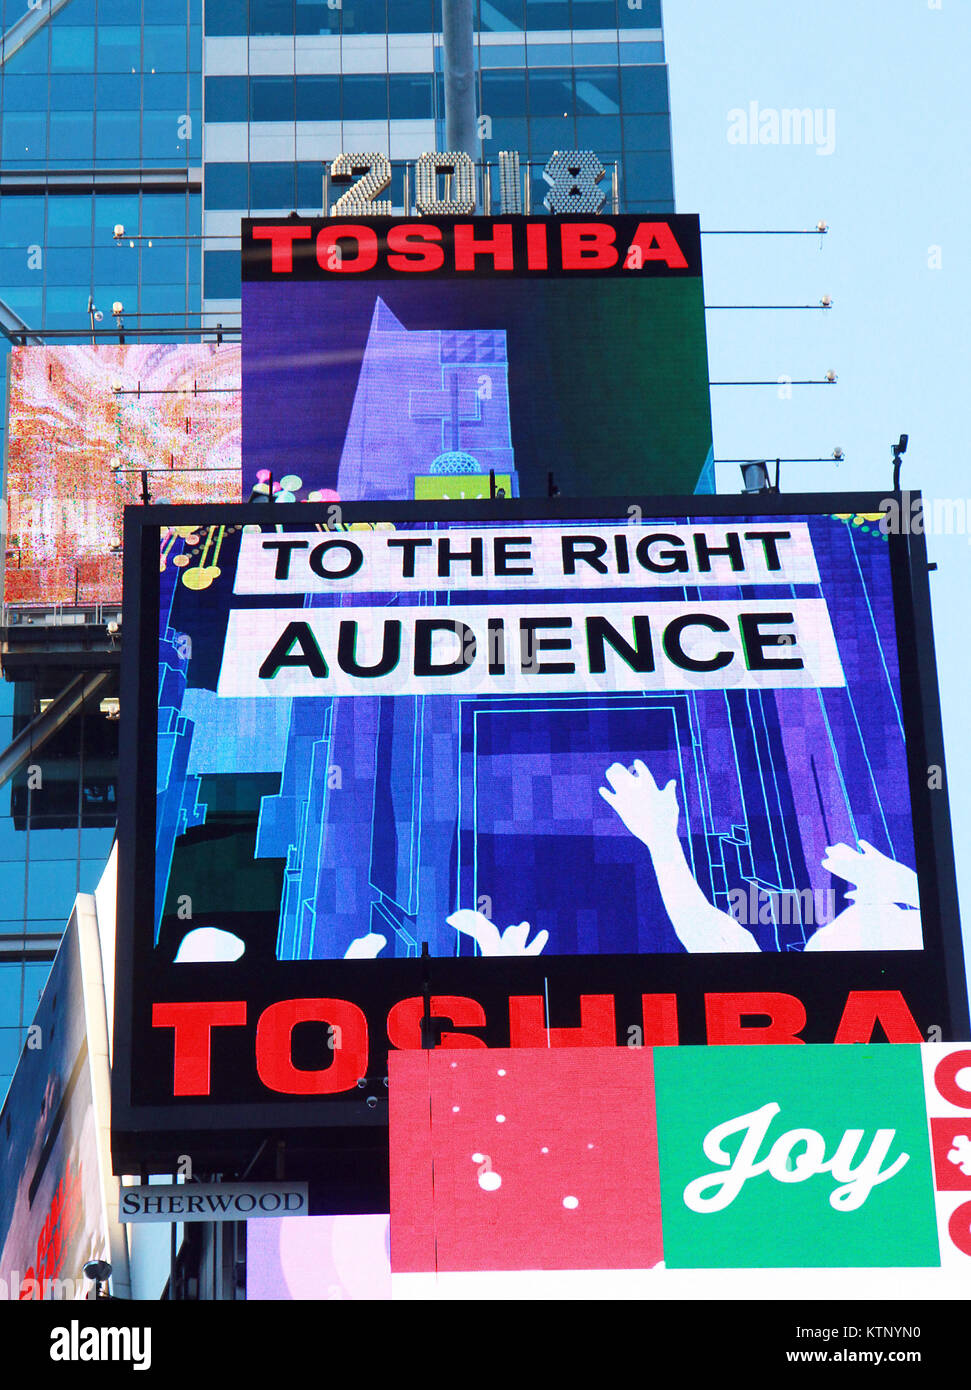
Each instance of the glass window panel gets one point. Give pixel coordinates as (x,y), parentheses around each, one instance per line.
(77,13)
(310,187)
(160,11)
(65,266)
(271,99)
(11,1047)
(226,99)
(271,186)
(598,132)
(410,17)
(119,11)
(648,132)
(411,96)
(500,16)
(549,55)
(72,50)
(96,844)
(14,883)
(71,135)
(163,91)
(24,137)
(642,52)
(647,176)
(28,303)
(163,264)
(11,988)
(364,98)
(639,14)
(364,16)
(24,93)
(110,210)
(547,14)
(117,91)
(595,14)
(509,133)
(547,135)
(23,270)
(222,275)
(271,17)
(226,17)
(318,98)
(119,48)
(317,17)
(33,57)
(503,94)
(116,135)
(226,186)
(21,220)
(51,890)
(161,138)
(509,55)
(165,47)
(598,92)
(644,88)
(69,220)
(65,307)
(52,844)
(597,54)
(195,47)
(551,93)
(163,214)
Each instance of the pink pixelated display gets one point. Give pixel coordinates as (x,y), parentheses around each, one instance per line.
(523,1159)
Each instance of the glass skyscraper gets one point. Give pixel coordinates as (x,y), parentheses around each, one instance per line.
(173,119)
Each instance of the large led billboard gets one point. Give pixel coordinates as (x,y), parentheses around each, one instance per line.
(390,359)
(517,775)
(83,424)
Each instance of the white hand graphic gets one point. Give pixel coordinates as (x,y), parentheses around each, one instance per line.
(511,942)
(366,947)
(648,812)
(877,878)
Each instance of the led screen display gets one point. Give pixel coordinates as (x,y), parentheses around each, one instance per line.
(500,775)
(670,1160)
(409,360)
(83,424)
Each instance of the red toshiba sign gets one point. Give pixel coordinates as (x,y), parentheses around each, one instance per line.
(343,1027)
(317,248)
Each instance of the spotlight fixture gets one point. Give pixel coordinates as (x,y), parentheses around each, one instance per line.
(838,454)
(755,476)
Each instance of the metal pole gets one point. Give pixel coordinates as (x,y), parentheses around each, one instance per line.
(458,38)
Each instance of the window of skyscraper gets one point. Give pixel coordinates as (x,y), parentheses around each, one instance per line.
(270,17)
(223,16)
(318,98)
(364,97)
(226,99)
(644,88)
(271,99)
(498,16)
(317,17)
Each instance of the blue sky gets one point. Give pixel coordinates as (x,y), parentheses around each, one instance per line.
(896,262)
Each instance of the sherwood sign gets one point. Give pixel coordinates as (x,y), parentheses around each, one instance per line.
(211,1202)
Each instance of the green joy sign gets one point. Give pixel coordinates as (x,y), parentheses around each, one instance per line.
(794,1157)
